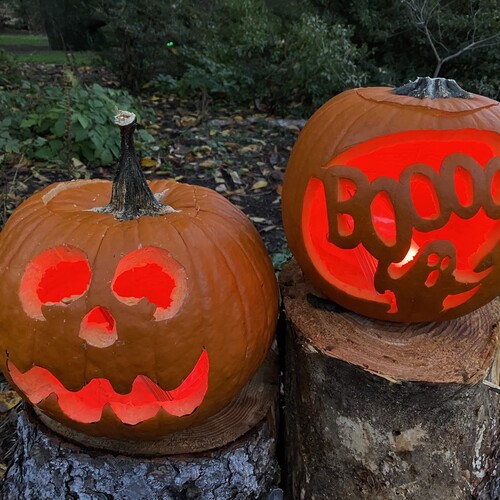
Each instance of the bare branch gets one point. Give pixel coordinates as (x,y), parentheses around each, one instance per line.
(423,12)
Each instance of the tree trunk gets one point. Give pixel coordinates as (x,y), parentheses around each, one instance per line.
(379,410)
(229,456)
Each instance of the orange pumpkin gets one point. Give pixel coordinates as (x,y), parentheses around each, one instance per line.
(137,318)
(391,201)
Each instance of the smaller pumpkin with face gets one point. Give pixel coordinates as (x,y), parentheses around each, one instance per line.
(135,318)
(391,201)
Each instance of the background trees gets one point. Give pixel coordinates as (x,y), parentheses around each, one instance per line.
(277,52)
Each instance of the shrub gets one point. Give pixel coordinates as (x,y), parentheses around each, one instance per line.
(9,73)
(142,36)
(252,52)
(38,123)
(321,59)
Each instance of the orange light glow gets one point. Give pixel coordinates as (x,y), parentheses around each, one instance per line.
(151,273)
(98,328)
(57,276)
(468,228)
(143,402)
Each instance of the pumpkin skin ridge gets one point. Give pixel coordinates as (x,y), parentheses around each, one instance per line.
(250,261)
(236,291)
(186,246)
(234,212)
(325,138)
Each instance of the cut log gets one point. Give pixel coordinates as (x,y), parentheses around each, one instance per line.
(229,456)
(379,410)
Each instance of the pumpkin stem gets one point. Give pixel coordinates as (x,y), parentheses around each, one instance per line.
(131,196)
(432,88)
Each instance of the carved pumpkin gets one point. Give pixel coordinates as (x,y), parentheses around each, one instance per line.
(391,201)
(137,318)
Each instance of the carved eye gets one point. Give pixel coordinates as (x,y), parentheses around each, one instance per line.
(151,273)
(56,276)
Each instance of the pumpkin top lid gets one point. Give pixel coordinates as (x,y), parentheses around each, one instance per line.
(439,94)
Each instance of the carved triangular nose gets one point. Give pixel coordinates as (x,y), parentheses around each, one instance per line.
(98,328)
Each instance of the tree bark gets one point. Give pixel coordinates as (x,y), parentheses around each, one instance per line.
(379,410)
(213,464)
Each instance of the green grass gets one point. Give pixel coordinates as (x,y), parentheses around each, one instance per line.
(43,56)
(40,40)
(56,57)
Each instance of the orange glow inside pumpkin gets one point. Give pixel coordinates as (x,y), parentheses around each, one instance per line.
(98,328)
(352,270)
(58,275)
(143,402)
(151,273)
(149,281)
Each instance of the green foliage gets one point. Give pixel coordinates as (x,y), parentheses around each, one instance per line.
(35,122)
(321,59)
(251,52)
(8,70)
(284,51)
(142,36)
(399,49)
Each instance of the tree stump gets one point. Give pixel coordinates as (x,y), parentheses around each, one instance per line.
(379,410)
(229,456)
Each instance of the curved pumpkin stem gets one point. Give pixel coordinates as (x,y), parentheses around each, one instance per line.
(131,196)
(432,88)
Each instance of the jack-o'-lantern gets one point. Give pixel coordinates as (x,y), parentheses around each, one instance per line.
(138,317)
(391,201)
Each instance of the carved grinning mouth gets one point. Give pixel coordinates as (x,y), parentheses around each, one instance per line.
(143,402)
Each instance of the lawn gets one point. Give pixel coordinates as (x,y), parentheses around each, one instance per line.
(14,39)
(35,49)
(56,57)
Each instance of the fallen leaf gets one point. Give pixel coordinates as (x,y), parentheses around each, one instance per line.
(37,175)
(235,177)
(207,163)
(251,148)
(258,220)
(148,162)
(189,121)
(221,188)
(259,185)
(77,163)
(9,399)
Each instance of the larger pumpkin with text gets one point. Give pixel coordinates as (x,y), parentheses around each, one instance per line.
(391,201)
